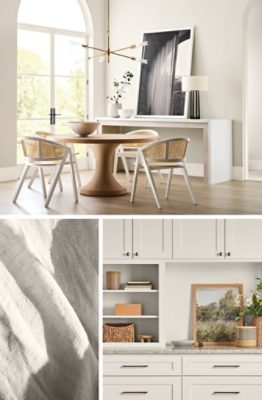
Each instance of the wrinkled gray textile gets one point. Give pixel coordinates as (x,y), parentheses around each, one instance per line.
(48,309)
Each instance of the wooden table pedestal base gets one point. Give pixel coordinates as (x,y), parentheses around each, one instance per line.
(103,183)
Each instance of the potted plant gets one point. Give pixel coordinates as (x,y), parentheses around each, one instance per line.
(253,308)
(119,92)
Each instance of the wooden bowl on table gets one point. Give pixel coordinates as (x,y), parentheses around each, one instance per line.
(83,128)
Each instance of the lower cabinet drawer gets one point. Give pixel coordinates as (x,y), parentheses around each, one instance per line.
(138,365)
(226,388)
(226,364)
(142,388)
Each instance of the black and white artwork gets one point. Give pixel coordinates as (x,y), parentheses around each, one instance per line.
(169,56)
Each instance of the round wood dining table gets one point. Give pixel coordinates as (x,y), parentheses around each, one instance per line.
(103,183)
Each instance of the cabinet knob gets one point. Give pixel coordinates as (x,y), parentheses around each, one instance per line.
(127,254)
(228,254)
(220,254)
(136,254)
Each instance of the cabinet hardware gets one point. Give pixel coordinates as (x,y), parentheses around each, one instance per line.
(220,254)
(228,254)
(134,366)
(134,393)
(226,366)
(127,254)
(136,254)
(226,393)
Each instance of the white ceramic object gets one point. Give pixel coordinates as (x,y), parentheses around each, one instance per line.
(83,128)
(113,109)
(126,113)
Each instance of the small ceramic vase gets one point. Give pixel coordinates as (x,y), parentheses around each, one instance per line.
(113,109)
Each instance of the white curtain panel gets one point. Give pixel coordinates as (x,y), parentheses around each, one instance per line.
(48,309)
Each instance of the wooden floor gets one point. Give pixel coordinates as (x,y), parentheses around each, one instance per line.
(228,198)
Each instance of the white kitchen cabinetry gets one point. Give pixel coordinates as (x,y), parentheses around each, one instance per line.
(200,376)
(198,239)
(138,239)
(151,322)
(117,238)
(227,388)
(142,376)
(230,239)
(137,388)
(243,239)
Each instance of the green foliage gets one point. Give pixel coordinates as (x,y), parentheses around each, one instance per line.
(216,320)
(120,87)
(253,305)
(216,331)
(33,96)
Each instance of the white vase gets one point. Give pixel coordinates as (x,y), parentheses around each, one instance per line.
(112,109)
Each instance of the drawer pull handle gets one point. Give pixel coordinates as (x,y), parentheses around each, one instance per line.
(134,366)
(234,393)
(226,366)
(142,393)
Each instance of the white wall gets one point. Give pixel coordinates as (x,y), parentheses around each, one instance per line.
(254,83)
(8,51)
(218,51)
(180,277)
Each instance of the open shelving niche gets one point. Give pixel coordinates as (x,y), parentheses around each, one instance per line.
(151,321)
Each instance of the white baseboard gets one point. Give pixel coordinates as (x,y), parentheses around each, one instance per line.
(238,173)
(13,173)
(255,164)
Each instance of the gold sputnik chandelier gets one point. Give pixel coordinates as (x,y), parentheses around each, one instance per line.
(103,54)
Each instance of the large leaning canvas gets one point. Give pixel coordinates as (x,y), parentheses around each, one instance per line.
(169,56)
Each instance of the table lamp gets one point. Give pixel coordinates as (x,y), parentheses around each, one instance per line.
(194,85)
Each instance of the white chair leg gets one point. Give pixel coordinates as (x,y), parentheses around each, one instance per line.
(151,182)
(126,168)
(189,186)
(115,163)
(42,178)
(168,184)
(60,184)
(56,178)
(73,177)
(135,178)
(160,177)
(21,182)
(77,174)
(32,179)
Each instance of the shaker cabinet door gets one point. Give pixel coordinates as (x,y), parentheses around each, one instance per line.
(243,239)
(152,239)
(198,239)
(117,243)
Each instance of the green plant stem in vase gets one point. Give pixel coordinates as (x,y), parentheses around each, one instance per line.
(120,88)
(253,308)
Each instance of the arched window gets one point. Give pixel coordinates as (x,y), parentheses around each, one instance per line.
(52,68)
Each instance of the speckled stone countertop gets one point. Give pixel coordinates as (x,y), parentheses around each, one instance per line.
(184,350)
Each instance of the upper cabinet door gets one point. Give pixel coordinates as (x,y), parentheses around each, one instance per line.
(198,239)
(117,238)
(243,239)
(152,239)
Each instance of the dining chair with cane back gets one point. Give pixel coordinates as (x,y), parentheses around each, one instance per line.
(40,153)
(129,151)
(50,136)
(164,154)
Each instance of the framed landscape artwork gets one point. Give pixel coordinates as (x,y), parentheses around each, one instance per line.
(169,58)
(215,308)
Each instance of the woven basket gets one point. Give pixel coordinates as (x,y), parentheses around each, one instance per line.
(119,332)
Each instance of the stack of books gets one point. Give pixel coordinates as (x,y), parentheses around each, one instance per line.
(138,285)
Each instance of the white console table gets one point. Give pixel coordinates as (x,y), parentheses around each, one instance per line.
(217,140)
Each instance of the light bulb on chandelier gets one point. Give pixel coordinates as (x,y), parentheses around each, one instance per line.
(102,54)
